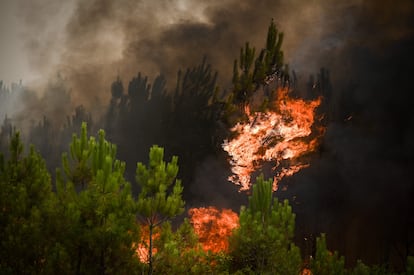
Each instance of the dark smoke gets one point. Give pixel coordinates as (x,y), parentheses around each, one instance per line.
(358,188)
(92,41)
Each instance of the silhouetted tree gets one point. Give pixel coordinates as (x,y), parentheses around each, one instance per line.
(251,71)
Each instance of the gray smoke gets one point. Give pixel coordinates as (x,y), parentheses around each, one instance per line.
(91,42)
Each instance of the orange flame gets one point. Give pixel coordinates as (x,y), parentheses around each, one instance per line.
(142,252)
(213,227)
(279,136)
(143,247)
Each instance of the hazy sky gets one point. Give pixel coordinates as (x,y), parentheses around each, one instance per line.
(13,62)
(39,37)
(33,32)
(27,25)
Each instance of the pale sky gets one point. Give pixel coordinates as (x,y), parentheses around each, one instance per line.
(13,62)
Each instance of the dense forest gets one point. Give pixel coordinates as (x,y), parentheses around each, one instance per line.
(75,202)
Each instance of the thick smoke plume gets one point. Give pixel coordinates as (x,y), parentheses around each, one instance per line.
(91,42)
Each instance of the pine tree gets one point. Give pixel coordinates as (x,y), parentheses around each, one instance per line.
(160,196)
(360,269)
(326,262)
(251,71)
(410,265)
(98,229)
(193,120)
(26,207)
(180,252)
(263,242)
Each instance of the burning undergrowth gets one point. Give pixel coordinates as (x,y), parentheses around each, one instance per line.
(213,227)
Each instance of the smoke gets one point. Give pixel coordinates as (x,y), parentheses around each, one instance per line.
(361,181)
(359,188)
(100,39)
(91,42)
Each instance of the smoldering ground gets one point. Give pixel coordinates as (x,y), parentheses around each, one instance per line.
(359,183)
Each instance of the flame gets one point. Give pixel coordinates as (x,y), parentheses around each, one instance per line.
(213,227)
(142,250)
(281,137)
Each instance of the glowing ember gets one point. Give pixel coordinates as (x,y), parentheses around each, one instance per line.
(280,137)
(213,227)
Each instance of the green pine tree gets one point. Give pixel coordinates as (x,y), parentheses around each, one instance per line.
(98,230)
(26,207)
(263,242)
(160,196)
(251,71)
(410,265)
(180,252)
(326,262)
(360,269)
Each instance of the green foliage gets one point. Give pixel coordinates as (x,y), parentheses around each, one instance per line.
(326,262)
(263,242)
(155,202)
(360,269)
(180,253)
(243,80)
(254,70)
(96,209)
(89,226)
(251,71)
(160,196)
(26,206)
(410,265)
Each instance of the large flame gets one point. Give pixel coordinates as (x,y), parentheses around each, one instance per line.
(280,136)
(213,227)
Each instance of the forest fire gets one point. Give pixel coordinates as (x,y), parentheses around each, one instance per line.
(281,136)
(213,227)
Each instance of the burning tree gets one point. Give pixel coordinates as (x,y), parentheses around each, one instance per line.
(213,227)
(267,123)
(281,137)
(157,202)
(180,252)
(267,66)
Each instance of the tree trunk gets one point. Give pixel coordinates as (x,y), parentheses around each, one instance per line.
(150,250)
(79,262)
